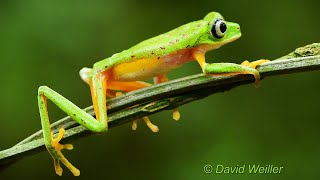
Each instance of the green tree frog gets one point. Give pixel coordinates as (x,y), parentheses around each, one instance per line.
(125,71)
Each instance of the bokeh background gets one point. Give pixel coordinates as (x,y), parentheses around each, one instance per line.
(48,42)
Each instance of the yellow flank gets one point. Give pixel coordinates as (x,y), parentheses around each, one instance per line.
(140,69)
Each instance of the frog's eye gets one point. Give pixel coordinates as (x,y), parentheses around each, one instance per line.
(219,28)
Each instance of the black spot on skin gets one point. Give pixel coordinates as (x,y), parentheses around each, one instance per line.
(188,46)
(106,67)
(177,40)
(152,53)
(158,57)
(171,42)
(74,115)
(208,24)
(132,56)
(162,48)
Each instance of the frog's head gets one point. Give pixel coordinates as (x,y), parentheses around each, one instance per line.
(218,31)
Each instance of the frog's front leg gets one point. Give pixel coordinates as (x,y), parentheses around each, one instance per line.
(229,68)
(163,78)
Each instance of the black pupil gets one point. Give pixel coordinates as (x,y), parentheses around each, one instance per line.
(223,27)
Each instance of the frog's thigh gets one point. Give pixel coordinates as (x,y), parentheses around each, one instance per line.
(126,86)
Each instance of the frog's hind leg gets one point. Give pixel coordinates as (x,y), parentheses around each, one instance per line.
(53,144)
(163,78)
(98,85)
(121,86)
(127,87)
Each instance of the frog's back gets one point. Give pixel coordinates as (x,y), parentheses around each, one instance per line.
(182,37)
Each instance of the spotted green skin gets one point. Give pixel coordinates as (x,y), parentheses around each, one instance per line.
(189,35)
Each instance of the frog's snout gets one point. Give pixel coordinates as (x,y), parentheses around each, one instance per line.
(237,29)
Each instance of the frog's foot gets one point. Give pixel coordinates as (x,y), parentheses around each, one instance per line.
(57,156)
(152,127)
(134,126)
(176,114)
(253,65)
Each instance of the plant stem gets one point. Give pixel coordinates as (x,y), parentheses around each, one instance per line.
(165,96)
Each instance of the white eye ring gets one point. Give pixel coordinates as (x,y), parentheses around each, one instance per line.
(219,28)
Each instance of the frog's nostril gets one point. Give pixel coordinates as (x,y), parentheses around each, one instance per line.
(238,28)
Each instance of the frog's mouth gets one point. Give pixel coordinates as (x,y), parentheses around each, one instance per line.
(229,39)
(233,38)
(209,47)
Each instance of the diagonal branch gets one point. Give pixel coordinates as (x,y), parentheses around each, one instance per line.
(165,96)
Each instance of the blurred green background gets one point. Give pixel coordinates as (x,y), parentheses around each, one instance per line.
(48,42)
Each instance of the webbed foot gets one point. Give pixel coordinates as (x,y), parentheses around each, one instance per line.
(176,114)
(151,126)
(55,152)
(253,65)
